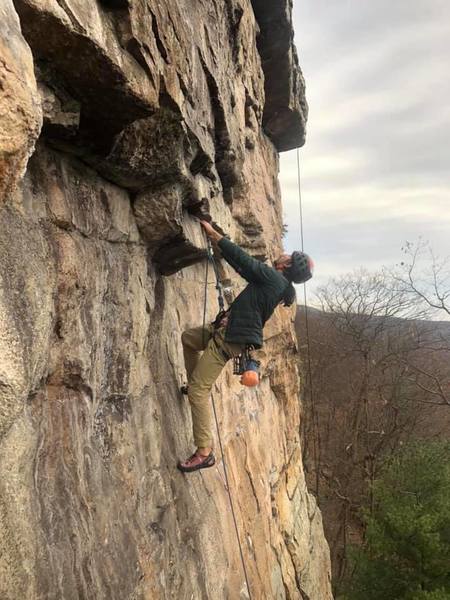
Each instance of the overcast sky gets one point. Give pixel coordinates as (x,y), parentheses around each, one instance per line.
(375,166)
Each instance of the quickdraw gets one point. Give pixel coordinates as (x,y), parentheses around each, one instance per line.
(216,274)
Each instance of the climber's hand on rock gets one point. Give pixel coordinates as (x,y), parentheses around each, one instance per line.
(210,231)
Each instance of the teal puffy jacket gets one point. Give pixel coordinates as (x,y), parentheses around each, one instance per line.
(256,303)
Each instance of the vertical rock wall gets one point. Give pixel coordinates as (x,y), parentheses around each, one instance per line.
(136,110)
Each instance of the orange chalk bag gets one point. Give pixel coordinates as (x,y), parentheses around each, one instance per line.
(247,367)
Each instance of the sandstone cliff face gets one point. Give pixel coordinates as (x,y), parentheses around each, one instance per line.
(135,110)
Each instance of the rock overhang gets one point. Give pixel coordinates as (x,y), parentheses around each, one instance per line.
(130,94)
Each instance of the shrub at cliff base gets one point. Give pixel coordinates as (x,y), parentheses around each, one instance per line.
(406,555)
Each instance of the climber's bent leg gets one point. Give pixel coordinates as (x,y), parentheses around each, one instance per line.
(202,379)
(194,340)
(208,368)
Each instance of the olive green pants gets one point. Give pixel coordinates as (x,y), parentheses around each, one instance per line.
(202,371)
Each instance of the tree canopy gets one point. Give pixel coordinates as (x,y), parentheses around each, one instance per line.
(406,555)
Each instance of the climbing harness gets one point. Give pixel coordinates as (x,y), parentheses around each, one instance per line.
(222,454)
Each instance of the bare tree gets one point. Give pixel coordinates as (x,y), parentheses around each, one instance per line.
(425,278)
(373,383)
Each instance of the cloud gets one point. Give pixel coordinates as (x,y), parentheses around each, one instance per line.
(375,166)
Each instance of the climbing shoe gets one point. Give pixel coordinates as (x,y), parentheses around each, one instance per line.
(197,461)
(184,389)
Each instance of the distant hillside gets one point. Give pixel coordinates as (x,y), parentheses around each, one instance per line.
(376,382)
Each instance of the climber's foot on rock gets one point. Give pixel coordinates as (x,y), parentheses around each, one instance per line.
(197,461)
(184,389)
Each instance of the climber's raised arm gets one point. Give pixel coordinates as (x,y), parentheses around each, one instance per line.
(248,267)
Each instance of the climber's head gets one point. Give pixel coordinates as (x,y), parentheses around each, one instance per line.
(297,267)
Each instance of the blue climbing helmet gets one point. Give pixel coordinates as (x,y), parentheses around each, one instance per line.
(301,268)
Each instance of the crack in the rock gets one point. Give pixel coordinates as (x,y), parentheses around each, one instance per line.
(71,16)
(159,44)
(222,142)
(252,485)
(73,229)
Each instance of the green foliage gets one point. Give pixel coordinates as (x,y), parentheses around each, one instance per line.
(407,551)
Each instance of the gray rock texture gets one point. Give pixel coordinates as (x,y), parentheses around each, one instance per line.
(20,110)
(141,109)
(285,108)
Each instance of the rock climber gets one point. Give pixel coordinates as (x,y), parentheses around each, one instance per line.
(241,326)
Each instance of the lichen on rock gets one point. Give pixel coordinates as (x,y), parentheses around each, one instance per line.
(147,108)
